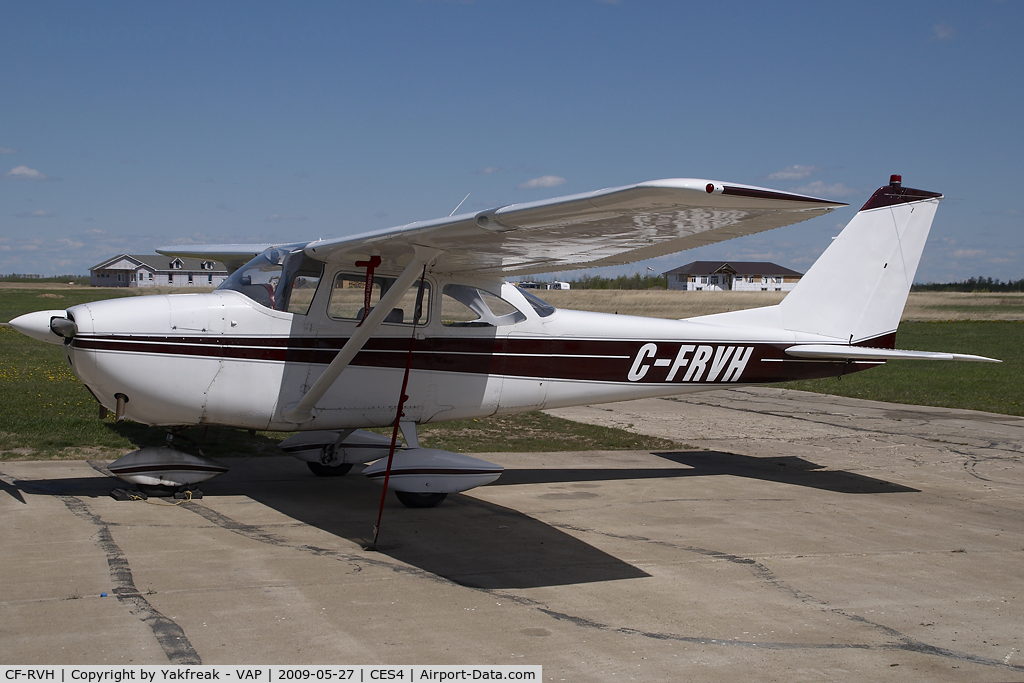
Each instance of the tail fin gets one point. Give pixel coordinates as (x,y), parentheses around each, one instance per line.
(857,289)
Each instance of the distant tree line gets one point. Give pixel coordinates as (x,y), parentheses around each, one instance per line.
(638,281)
(32,277)
(974,284)
(635,281)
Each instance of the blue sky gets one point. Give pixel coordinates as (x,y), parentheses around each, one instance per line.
(128,125)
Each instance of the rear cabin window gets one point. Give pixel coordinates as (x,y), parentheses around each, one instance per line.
(466,306)
(348,298)
(543,308)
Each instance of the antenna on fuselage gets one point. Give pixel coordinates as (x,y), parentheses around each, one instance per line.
(460,204)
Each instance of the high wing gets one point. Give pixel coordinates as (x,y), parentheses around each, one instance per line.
(603,228)
(234,256)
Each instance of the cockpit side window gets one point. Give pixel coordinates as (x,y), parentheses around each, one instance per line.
(348,297)
(299,279)
(467,306)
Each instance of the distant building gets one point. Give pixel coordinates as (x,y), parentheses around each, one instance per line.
(157,271)
(543,285)
(742,276)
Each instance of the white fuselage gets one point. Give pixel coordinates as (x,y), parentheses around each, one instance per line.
(221,358)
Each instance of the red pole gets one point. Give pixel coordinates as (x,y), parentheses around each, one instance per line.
(370,266)
(402,398)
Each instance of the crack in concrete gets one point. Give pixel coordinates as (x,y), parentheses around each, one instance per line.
(773,409)
(904,642)
(169,635)
(179,651)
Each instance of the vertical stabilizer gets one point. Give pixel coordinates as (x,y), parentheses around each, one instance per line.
(857,289)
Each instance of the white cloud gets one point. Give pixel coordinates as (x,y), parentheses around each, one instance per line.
(943,32)
(282,217)
(41,213)
(489,170)
(8,150)
(968,253)
(25,173)
(795,172)
(820,189)
(541,182)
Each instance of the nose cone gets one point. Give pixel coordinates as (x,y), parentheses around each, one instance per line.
(37,325)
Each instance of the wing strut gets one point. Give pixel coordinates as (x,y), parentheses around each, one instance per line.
(302,411)
(399,414)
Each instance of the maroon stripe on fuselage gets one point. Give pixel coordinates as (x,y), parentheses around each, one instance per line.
(565,359)
(883,341)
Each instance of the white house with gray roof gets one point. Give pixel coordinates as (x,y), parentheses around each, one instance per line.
(744,276)
(154,270)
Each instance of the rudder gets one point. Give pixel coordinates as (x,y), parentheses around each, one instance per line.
(857,289)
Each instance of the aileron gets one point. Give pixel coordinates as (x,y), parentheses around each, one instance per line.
(607,227)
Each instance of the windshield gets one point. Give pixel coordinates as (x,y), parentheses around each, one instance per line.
(282,278)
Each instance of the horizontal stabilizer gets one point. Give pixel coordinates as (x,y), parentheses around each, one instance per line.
(834,351)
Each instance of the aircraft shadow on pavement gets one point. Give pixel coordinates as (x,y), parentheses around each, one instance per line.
(783,470)
(465,540)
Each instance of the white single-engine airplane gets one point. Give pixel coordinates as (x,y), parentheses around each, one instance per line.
(331,336)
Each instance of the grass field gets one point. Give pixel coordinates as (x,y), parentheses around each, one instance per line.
(46,413)
(991,387)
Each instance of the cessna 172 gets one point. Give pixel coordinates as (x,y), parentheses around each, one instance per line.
(328,337)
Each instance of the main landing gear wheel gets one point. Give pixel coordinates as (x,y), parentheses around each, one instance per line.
(420,500)
(328,471)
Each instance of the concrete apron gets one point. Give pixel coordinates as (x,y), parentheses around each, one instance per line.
(790,535)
